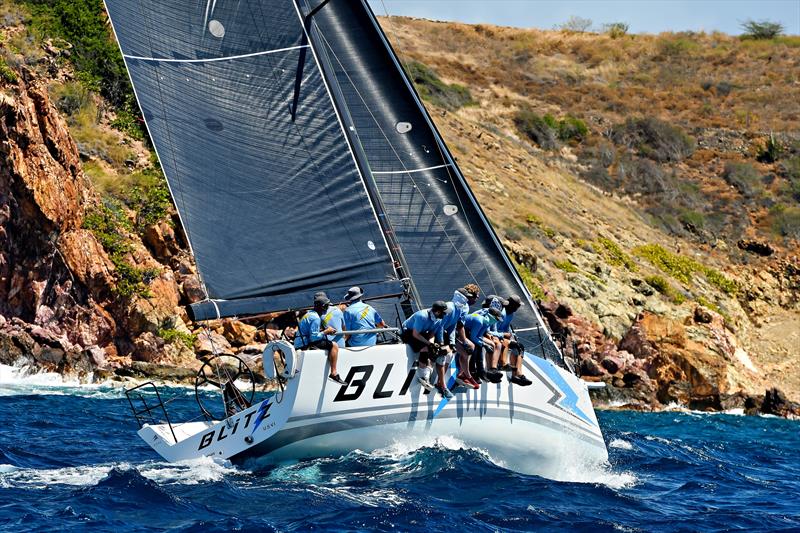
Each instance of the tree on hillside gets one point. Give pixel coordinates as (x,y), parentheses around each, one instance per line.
(577,24)
(761,29)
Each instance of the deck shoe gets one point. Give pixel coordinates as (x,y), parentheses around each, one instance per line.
(494,376)
(507,368)
(424,378)
(444,391)
(521,380)
(472,383)
(461,381)
(336,379)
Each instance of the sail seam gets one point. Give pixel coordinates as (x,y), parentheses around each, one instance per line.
(212,59)
(410,171)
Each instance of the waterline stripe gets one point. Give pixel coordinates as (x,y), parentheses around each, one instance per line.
(211,59)
(411,171)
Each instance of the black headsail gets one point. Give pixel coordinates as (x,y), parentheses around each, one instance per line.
(444,235)
(263,177)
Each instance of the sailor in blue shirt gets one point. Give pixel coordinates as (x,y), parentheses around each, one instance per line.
(359,315)
(477,325)
(334,318)
(419,331)
(309,336)
(452,337)
(510,343)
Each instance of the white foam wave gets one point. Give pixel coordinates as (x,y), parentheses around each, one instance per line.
(402,449)
(598,474)
(621,444)
(191,472)
(19,380)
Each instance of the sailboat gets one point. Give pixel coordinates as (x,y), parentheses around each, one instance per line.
(301,159)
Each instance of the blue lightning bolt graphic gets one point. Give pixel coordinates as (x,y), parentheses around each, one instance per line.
(262,414)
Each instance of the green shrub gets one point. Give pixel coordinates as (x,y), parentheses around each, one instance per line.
(533,220)
(545,130)
(654,138)
(615,30)
(571,128)
(664,287)
(149,197)
(614,254)
(786,220)
(436,91)
(95,54)
(537,128)
(566,266)
(692,220)
(6,73)
(70,97)
(683,268)
(171,335)
(109,224)
(762,29)
(527,277)
(773,149)
(744,177)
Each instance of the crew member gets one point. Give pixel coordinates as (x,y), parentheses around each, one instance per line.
(477,326)
(419,331)
(309,335)
(453,338)
(359,315)
(511,343)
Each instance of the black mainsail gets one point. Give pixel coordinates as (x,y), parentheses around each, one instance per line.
(269,195)
(301,158)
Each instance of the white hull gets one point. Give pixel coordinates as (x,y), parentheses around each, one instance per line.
(545,429)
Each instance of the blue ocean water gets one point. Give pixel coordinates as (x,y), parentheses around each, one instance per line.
(70,460)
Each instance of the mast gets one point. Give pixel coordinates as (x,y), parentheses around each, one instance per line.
(412,300)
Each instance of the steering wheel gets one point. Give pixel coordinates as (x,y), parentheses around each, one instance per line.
(223,371)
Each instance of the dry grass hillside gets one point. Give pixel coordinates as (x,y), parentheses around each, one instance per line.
(691,145)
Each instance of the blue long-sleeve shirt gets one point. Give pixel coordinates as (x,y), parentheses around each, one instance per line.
(308,330)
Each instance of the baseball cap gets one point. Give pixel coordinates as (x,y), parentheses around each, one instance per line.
(321,298)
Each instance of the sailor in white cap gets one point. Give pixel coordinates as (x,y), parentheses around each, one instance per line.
(359,315)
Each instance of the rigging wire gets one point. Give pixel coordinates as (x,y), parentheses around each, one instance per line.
(449,171)
(407,172)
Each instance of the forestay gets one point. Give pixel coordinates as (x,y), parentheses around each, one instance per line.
(268,193)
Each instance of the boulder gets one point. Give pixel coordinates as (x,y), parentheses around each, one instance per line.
(161,241)
(702,315)
(761,248)
(776,403)
(589,367)
(192,289)
(612,364)
(238,333)
(147,347)
(210,342)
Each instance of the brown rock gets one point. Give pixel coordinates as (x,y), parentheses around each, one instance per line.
(147,347)
(160,239)
(761,248)
(702,315)
(612,364)
(238,333)
(589,367)
(192,289)
(210,342)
